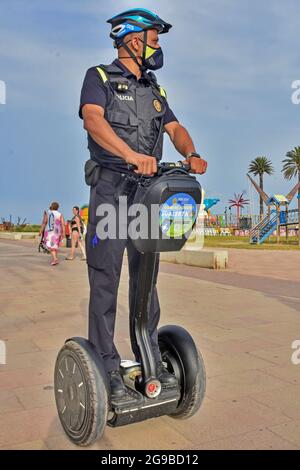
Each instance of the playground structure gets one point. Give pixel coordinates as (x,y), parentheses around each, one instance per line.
(209,203)
(278,215)
(226,223)
(8,225)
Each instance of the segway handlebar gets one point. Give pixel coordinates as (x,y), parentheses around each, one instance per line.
(164,167)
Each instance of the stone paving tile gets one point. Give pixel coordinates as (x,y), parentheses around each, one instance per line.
(29,445)
(58,321)
(282,332)
(233,346)
(235,363)
(36,396)
(289,373)
(280,355)
(289,431)
(262,263)
(7,324)
(29,376)
(19,347)
(285,400)
(241,384)
(12,322)
(218,334)
(220,420)
(39,360)
(149,434)
(152,434)
(51,343)
(263,439)
(17,334)
(243,321)
(61,442)
(28,425)
(9,402)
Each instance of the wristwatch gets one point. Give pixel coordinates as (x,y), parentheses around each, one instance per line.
(192,154)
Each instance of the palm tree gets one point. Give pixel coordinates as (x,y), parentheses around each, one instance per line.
(290,169)
(239,202)
(260,166)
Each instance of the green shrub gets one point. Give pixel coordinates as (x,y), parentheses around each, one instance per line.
(27,228)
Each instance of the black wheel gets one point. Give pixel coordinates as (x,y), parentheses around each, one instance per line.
(81,392)
(182,358)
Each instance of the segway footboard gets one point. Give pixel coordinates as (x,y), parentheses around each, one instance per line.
(137,407)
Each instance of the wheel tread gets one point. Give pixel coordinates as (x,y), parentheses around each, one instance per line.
(96,390)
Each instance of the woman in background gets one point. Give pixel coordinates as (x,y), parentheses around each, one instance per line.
(77,231)
(54,230)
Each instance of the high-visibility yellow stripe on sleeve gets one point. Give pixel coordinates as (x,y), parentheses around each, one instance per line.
(163,92)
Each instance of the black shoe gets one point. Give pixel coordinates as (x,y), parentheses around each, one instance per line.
(117,387)
(164,376)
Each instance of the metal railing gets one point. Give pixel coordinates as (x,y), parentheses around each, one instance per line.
(255,232)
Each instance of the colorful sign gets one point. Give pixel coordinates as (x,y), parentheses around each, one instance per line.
(84,213)
(177,215)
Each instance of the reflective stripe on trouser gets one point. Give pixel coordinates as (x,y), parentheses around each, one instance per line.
(104,268)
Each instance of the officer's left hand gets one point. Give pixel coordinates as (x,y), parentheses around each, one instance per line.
(198,165)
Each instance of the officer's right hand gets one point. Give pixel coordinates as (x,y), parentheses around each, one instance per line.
(145,164)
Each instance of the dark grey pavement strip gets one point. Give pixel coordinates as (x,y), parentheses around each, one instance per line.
(289,290)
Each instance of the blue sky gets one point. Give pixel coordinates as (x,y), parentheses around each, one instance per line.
(229,67)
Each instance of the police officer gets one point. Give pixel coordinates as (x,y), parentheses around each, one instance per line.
(125,113)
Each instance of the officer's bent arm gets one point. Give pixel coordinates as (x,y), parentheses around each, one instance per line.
(180,138)
(101,132)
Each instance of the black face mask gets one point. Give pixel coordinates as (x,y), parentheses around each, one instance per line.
(152,58)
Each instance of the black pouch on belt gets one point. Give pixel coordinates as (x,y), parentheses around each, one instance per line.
(92,172)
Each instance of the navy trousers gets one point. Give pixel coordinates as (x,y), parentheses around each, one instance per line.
(104,258)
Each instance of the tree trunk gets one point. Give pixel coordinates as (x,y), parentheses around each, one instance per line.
(261,202)
(299,210)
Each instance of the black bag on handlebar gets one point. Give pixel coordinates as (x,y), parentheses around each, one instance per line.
(172,202)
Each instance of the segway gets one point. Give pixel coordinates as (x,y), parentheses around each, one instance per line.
(82,393)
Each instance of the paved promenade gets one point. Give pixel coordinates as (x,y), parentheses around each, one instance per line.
(244,321)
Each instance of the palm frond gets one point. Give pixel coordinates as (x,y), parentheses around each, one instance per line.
(261,165)
(291,164)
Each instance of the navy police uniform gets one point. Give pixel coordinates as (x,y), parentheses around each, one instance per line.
(137,110)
